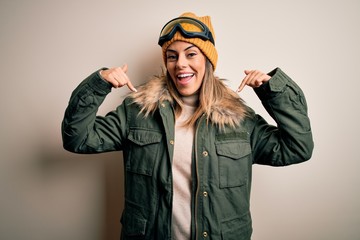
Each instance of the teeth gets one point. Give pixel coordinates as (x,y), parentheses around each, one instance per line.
(185,75)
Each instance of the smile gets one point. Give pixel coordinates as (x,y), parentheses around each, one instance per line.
(184,78)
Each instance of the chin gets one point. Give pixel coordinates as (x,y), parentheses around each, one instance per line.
(187,93)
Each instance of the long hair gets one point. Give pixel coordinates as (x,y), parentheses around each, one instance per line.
(213,95)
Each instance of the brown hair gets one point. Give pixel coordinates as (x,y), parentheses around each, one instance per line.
(213,93)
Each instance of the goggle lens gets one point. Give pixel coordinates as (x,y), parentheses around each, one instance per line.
(195,29)
(184,23)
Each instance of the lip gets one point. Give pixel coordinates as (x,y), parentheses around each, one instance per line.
(184,78)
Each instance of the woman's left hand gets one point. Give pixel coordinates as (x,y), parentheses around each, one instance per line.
(254,79)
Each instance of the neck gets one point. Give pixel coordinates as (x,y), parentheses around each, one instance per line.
(191,101)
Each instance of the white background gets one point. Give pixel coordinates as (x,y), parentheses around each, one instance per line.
(48,47)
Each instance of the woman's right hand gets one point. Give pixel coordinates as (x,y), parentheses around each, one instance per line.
(117,77)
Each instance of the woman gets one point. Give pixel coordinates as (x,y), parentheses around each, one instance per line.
(188,141)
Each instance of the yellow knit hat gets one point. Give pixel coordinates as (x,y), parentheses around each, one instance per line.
(207,47)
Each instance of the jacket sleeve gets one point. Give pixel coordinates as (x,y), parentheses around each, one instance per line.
(291,140)
(82,130)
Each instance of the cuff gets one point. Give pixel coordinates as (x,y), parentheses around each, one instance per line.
(99,84)
(275,85)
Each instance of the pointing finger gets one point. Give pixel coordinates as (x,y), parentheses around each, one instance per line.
(244,81)
(128,83)
(131,86)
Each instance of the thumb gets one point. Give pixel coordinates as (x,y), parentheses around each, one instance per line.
(125,68)
(247,72)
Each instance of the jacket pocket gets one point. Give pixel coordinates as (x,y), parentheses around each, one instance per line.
(133,224)
(234,162)
(238,228)
(143,151)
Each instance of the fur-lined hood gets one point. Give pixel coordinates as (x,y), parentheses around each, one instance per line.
(155,91)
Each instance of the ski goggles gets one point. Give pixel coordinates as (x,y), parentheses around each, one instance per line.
(170,28)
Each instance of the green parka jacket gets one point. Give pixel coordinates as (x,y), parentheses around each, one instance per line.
(222,158)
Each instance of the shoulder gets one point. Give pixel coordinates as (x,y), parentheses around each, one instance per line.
(149,95)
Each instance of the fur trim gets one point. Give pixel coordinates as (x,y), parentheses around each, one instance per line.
(150,94)
(155,91)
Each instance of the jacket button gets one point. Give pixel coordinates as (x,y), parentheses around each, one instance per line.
(205,234)
(205,153)
(205,193)
(172,142)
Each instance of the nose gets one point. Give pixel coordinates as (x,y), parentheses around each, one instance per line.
(181,61)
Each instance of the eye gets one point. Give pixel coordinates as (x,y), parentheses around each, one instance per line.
(192,54)
(171,57)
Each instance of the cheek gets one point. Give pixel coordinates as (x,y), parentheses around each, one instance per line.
(170,70)
(201,65)
(201,70)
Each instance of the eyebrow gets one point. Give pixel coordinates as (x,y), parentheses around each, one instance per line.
(171,50)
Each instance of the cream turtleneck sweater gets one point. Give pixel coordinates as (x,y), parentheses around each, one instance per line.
(181,171)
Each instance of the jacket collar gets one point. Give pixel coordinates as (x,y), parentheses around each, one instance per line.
(154,93)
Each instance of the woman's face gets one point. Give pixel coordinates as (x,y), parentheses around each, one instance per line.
(186,65)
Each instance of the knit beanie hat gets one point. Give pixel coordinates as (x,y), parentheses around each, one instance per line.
(206,46)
